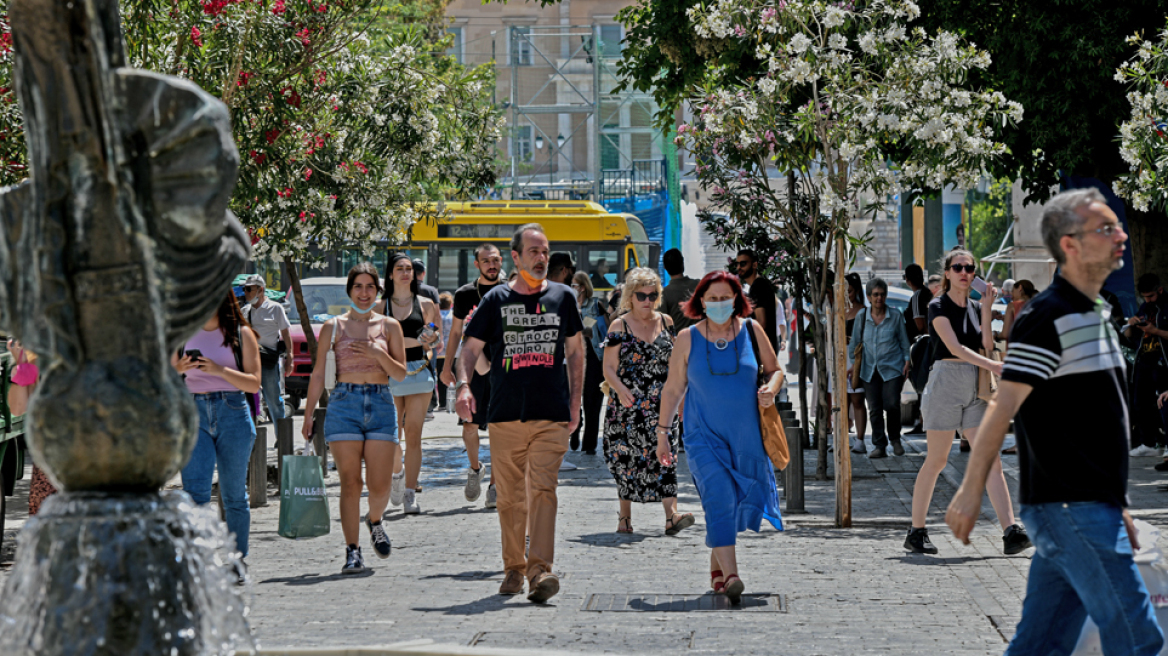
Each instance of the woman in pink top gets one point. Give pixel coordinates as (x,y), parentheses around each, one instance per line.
(361,424)
(220,363)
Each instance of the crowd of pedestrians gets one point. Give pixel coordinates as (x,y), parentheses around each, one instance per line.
(691,366)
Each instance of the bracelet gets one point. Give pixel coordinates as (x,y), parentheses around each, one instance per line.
(663,429)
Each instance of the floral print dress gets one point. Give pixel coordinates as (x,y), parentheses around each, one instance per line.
(630,434)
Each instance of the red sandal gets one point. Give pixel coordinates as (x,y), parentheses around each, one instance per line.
(734,588)
(718,587)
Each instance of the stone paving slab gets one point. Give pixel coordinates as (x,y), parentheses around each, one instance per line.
(848,591)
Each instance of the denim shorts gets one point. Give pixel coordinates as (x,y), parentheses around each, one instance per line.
(420,383)
(360,412)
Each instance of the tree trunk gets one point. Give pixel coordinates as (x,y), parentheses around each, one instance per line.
(301,308)
(843,450)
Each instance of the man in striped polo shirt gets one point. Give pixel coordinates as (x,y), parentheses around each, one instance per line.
(1064,378)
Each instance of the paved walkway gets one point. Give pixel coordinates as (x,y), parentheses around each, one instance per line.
(847,591)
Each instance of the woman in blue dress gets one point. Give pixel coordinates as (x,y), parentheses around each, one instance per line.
(714,367)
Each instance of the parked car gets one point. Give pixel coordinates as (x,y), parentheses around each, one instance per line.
(324,298)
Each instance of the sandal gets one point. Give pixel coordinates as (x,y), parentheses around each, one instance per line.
(734,589)
(717,586)
(673,526)
(623,522)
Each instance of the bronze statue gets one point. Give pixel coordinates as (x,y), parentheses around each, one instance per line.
(115,250)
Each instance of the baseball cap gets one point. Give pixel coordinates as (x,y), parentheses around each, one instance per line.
(254,279)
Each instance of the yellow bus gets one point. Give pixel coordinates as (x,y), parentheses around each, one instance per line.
(601,244)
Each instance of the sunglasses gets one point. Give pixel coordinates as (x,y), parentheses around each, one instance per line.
(968,268)
(642,297)
(248,288)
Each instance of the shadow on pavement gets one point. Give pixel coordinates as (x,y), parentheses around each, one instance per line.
(611,539)
(933,561)
(493,603)
(313,579)
(466,510)
(479,575)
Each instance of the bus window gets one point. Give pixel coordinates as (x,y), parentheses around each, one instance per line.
(351,257)
(631,257)
(603,267)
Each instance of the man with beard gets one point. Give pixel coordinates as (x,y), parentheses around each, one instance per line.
(762,296)
(466,299)
(1063,385)
(532,328)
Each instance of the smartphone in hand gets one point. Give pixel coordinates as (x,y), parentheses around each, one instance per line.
(979,285)
(194,353)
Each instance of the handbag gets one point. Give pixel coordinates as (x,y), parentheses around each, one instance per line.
(330,359)
(774,437)
(920,357)
(859,358)
(304,509)
(987,382)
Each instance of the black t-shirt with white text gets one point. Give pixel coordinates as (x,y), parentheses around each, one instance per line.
(1073,429)
(525,335)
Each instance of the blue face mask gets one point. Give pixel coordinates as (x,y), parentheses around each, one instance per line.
(720,311)
(359,310)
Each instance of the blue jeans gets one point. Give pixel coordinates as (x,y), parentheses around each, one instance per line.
(271,383)
(226,437)
(1083,566)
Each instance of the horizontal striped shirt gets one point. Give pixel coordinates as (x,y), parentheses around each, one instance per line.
(1073,429)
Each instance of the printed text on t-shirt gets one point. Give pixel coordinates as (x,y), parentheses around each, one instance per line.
(523,346)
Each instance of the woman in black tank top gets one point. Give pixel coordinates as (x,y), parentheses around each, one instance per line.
(411,396)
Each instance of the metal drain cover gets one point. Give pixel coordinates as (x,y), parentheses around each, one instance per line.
(675,603)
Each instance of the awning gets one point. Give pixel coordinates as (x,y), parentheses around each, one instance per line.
(1020,255)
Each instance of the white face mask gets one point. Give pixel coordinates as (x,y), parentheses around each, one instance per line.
(259,299)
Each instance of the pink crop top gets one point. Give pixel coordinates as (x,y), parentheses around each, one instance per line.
(210,342)
(348,361)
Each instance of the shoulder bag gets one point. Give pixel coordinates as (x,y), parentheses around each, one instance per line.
(987,382)
(859,359)
(330,359)
(774,438)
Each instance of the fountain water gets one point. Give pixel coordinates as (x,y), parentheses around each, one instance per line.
(116,249)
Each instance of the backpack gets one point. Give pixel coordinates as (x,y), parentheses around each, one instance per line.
(920,356)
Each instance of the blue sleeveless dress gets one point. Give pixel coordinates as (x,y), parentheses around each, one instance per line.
(723,440)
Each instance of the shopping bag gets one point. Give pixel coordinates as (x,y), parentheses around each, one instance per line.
(304,509)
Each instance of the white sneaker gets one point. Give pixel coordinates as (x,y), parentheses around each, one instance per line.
(566,466)
(492,497)
(1144,451)
(397,488)
(474,482)
(410,503)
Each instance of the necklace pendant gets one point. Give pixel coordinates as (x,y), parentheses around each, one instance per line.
(721,344)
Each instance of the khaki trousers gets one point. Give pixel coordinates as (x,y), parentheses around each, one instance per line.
(525,459)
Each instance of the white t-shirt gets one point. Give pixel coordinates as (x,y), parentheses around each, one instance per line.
(268,319)
(780,315)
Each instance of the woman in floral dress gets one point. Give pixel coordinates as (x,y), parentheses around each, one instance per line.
(636,364)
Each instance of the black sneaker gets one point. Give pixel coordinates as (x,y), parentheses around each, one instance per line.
(1015,540)
(378,538)
(354,563)
(897,448)
(918,541)
(878,452)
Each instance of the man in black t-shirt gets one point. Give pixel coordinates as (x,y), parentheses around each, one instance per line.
(1146,330)
(466,298)
(917,314)
(762,295)
(531,327)
(1063,377)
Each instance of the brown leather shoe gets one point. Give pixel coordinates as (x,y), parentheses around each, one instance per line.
(543,587)
(512,583)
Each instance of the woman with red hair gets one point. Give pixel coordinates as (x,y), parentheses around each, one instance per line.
(715,368)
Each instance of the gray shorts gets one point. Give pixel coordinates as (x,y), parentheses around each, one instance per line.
(950,399)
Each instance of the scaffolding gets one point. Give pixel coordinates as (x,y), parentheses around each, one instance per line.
(570,134)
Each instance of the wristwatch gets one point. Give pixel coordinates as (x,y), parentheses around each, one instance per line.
(459,385)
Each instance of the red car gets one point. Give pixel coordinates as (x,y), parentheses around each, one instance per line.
(325,298)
